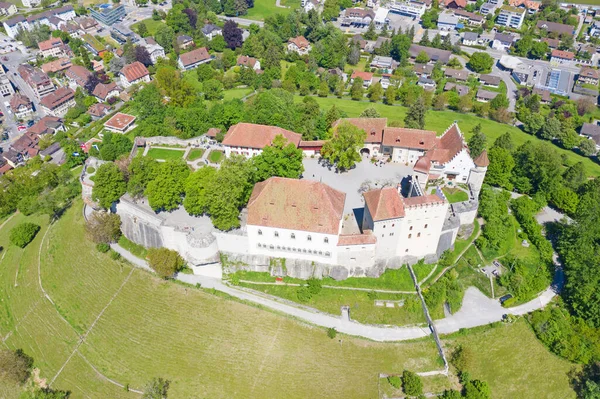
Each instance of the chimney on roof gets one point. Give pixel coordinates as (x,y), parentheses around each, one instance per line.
(397,139)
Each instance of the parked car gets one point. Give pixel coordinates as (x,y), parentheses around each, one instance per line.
(30,123)
(20,128)
(505,298)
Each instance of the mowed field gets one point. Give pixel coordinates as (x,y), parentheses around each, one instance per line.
(137,327)
(439,121)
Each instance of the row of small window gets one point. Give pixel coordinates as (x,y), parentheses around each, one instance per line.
(409,236)
(410,228)
(293,236)
(297,250)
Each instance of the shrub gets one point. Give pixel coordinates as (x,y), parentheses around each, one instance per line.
(23,234)
(15,366)
(411,383)
(395,381)
(314,286)
(114,255)
(462,358)
(303,294)
(165,262)
(372,295)
(103,247)
(104,227)
(331,332)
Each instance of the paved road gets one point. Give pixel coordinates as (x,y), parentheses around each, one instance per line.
(242,21)
(511,87)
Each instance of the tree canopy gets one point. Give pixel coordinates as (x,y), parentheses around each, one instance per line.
(343,149)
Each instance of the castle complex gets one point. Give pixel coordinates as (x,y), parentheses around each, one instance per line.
(303,220)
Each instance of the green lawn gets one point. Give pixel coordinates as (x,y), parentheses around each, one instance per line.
(192,78)
(164,153)
(195,153)
(132,247)
(229,349)
(151,25)
(215,156)
(236,92)
(455,195)
(265,8)
(439,121)
(514,363)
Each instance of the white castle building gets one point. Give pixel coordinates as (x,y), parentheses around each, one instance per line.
(302,220)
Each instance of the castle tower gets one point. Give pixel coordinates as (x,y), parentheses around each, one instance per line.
(477,174)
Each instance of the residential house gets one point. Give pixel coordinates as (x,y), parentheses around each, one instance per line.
(248,62)
(423,70)
(78,76)
(413,9)
(47,125)
(58,102)
(503,41)
(488,8)
(120,123)
(312,5)
(73,29)
(184,41)
(211,31)
(192,59)
(385,63)
(249,139)
(560,57)
(103,92)
(155,50)
(53,18)
(339,73)
(93,45)
(87,24)
(458,74)
(98,110)
(552,43)
(426,83)
(39,82)
(134,73)
(454,4)
(379,42)
(448,21)
(591,131)
(490,80)
(595,29)
(469,17)
(122,34)
(462,90)
(7,9)
(470,38)
(511,17)
(554,27)
(53,47)
(6,87)
(21,106)
(98,66)
(26,145)
(14,25)
(434,54)
(588,75)
(13,158)
(57,65)
(358,17)
(367,77)
(531,6)
(299,45)
(545,97)
(484,96)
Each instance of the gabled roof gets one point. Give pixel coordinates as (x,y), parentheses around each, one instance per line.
(372,126)
(182,39)
(357,239)
(504,38)
(365,76)
(194,56)
(134,71)
(101,90)
(56,65)
(246,61)
(384,204)
(300,42)
(434,54)
(98,109)
(409,138)
(447,146)
(250,135)
(486,95)
(567,55)
(490,79)
(589,73)
(555,27)
(293,204)
(459,74)
(209,28)
(57,98)
(50,43)
(79,74)
(18,100)
(48,124)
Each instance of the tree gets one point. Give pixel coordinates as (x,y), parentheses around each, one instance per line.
(281,159)
(533,123)
(505,141)
(213,89)
(477,389)
(415,117)
(477,142)
(141,171)
(499,171)
(103,227)
(481,62)
(142,55)
(232,34)
(109,185)
(164,36)
(462,358)
(192,16)
(422,58)
(375,92)
(587,147)
(550,129)
(142,30)
(157,388)
(411,383)
(15,366)
(390,95)
(23,233)
(499,102)
(166,190)
(196,185)
(323,89)
(165,262)
(342,149)
(370,112)
(429,19)
(354,54)
(357,90)
(331,10)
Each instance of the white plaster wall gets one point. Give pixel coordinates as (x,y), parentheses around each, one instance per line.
(353,256)
(406,155)
(232,243)
(247,152)
(476,177)
(461,164)
(421,230)
(177,241)
(298,246)
(388,232)
(467,217)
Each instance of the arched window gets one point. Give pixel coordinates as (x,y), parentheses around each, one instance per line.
(271,246)
(293,236)
(327,254)
(326,240)
(410,236)
(418,234)
(425,225)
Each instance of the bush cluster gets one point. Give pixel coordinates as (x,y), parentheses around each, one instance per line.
(23,234)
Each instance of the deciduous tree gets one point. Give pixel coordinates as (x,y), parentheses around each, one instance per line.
(281,159)
(165,192)
(103,227)
(109,185)
(165,262)
(415,117)
(481,62)
(343,149)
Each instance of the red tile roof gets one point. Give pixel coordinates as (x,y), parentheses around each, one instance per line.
(372,126)
(19,99)
(296,205)
(50,43)
(409,138)
(423,164)
(447,146)
(212,132)
(563,54)
(47,124)
(79,74)
(384,204)
(246,61)
(457,3)
(194,56)
(101,90)
(134,71)
(357,239)
(98,109)
(365,76)
(589,73)
(57,98)
(250,135)
(300,42)
(423,200)
(56,65)
(482,160)
(119,121)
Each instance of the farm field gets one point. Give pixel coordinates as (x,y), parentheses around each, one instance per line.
(439,121)
(140,327)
